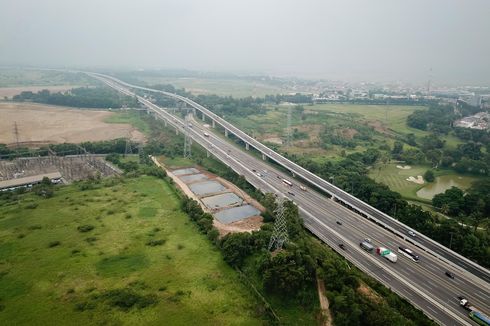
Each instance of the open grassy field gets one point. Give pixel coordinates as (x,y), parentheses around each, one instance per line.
(220,86)
(120,254)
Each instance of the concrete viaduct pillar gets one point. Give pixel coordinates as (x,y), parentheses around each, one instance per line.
(247,146)
(208,154)
(176,130)
(203,117)
(264,157)
(214,124)
(226,132)
(165,122)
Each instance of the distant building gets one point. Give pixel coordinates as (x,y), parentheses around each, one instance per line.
(480,121)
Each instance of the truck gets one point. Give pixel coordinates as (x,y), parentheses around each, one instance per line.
(386,253)
(476,315)
(366,246)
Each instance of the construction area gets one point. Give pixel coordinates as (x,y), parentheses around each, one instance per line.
(233,209)
(26,171)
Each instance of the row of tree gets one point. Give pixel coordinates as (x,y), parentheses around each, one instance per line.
(82,97)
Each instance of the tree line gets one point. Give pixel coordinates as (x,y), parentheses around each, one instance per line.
(82,97)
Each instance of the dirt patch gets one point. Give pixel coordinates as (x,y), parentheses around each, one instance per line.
(419,180)
(246,225)
(324,304)
(45,124)
(347,133)
(403,167)
(369,293)
(9,92)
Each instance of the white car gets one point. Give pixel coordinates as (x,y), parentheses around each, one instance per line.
(411,233)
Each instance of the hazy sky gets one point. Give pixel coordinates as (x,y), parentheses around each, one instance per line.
(345,39)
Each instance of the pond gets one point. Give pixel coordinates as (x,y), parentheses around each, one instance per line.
(444,183)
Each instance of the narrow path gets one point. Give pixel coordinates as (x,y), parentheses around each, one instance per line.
(324,304)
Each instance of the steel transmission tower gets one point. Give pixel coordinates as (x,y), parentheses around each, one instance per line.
(187,138)
(280,232)
(289,133)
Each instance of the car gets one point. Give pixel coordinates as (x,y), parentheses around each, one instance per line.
(449,274)
(258,174)
(339,222)
(302,188)
(291,193)
(367,240)
(253,170)
(342,246)
(412,234)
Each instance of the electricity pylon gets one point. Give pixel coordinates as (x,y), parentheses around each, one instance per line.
(280,232)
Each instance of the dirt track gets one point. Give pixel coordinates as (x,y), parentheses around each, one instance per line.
(38,123)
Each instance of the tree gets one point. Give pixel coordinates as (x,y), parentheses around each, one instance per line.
(397,148)
(429,176)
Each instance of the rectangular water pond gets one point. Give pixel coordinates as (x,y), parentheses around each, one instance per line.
(222,200)
(185,171)
(206,187)
(193,177)
(236,213)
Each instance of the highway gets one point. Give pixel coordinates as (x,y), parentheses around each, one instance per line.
(374,214)
(424,283)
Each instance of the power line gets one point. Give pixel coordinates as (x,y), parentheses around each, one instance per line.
(280,233)
(288,127)
(187,138)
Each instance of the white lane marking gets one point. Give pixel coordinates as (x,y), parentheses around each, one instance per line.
(435,312)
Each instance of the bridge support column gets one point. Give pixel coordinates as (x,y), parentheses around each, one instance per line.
(147,111)
(264,157)
(203,117)
(247,146)
(165,122)
(176,130)
(294,175)
(226,132)
(208,154)
(214,124)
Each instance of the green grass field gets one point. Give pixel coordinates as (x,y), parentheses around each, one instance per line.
(10,77)
(51,273)
(220,86)
(131,117)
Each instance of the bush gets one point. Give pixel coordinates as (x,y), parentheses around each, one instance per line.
(54,244)
(85,228)
(32,205)
(127,299)
(154,243)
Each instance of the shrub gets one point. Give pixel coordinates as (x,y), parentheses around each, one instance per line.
(154,243)
(32,205)
(85,228)
(126,299)
(54,244)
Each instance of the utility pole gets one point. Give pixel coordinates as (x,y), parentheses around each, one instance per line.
(288,131)
(187,138)
(280,232)
(16,133)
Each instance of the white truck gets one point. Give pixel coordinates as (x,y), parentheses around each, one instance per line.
(386,253)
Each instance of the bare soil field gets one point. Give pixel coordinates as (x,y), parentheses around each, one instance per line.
(41,124)
(9,92)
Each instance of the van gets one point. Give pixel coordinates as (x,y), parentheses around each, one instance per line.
(366,246)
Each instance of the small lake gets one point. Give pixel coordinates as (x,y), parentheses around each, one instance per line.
(444,183)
